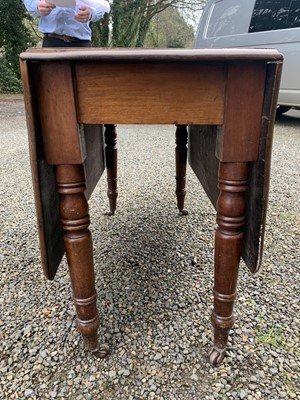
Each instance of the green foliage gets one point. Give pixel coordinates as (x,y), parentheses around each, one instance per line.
(169,29)
(133,18)
(274,337)
(9,82)
(125,22)
(15,37)
(100,30)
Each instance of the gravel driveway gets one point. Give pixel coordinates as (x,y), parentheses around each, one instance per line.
(154,280)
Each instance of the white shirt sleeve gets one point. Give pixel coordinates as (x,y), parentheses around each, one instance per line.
(31,6)
(98,7)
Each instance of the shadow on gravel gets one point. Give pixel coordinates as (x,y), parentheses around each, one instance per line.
(289,119)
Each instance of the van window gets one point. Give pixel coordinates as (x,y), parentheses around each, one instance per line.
(271,15)
(226,19)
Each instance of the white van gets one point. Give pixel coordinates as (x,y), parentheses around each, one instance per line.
(257,23)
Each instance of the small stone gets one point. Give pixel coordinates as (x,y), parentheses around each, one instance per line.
(43,354)
(112,374)
(292,395)
(243,394)
(124,372)
(28,392)
(157,357)
(27,330)
(252,386)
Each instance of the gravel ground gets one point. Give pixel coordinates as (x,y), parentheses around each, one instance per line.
(154,280)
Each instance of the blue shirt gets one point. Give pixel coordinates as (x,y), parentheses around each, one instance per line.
(61,20)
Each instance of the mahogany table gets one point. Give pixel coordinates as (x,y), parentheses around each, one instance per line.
(223,100)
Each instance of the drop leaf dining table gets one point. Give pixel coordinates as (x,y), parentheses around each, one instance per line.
(223,105)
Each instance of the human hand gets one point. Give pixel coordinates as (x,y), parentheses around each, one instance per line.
(84,14)
(45,8)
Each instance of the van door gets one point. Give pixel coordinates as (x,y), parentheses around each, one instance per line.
(257,23)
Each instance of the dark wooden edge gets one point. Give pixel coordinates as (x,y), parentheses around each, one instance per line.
(94,164)
(44,187)
(43,181)
(258,188)
(201,154)
(202,141)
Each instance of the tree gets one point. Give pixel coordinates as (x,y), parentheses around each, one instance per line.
(170,29)
(126,26)
(15,36)
(131,19)
(100,37)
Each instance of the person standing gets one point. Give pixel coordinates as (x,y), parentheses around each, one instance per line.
(65,27)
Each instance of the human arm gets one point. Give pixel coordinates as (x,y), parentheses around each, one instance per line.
(97,7)
(84,14)
(38,7)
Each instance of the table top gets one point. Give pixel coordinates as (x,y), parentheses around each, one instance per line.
(142,54)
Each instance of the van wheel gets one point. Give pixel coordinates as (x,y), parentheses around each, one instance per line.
(282,109)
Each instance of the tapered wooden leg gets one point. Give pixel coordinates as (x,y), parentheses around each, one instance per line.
(111,155)
(75,222)
(180,160)
(228,246)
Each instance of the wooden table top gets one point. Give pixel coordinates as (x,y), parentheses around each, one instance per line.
(141,54)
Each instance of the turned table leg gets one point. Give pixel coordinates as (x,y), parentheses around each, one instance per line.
(111,156)
(232,183)
(75,222)
(180,160)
